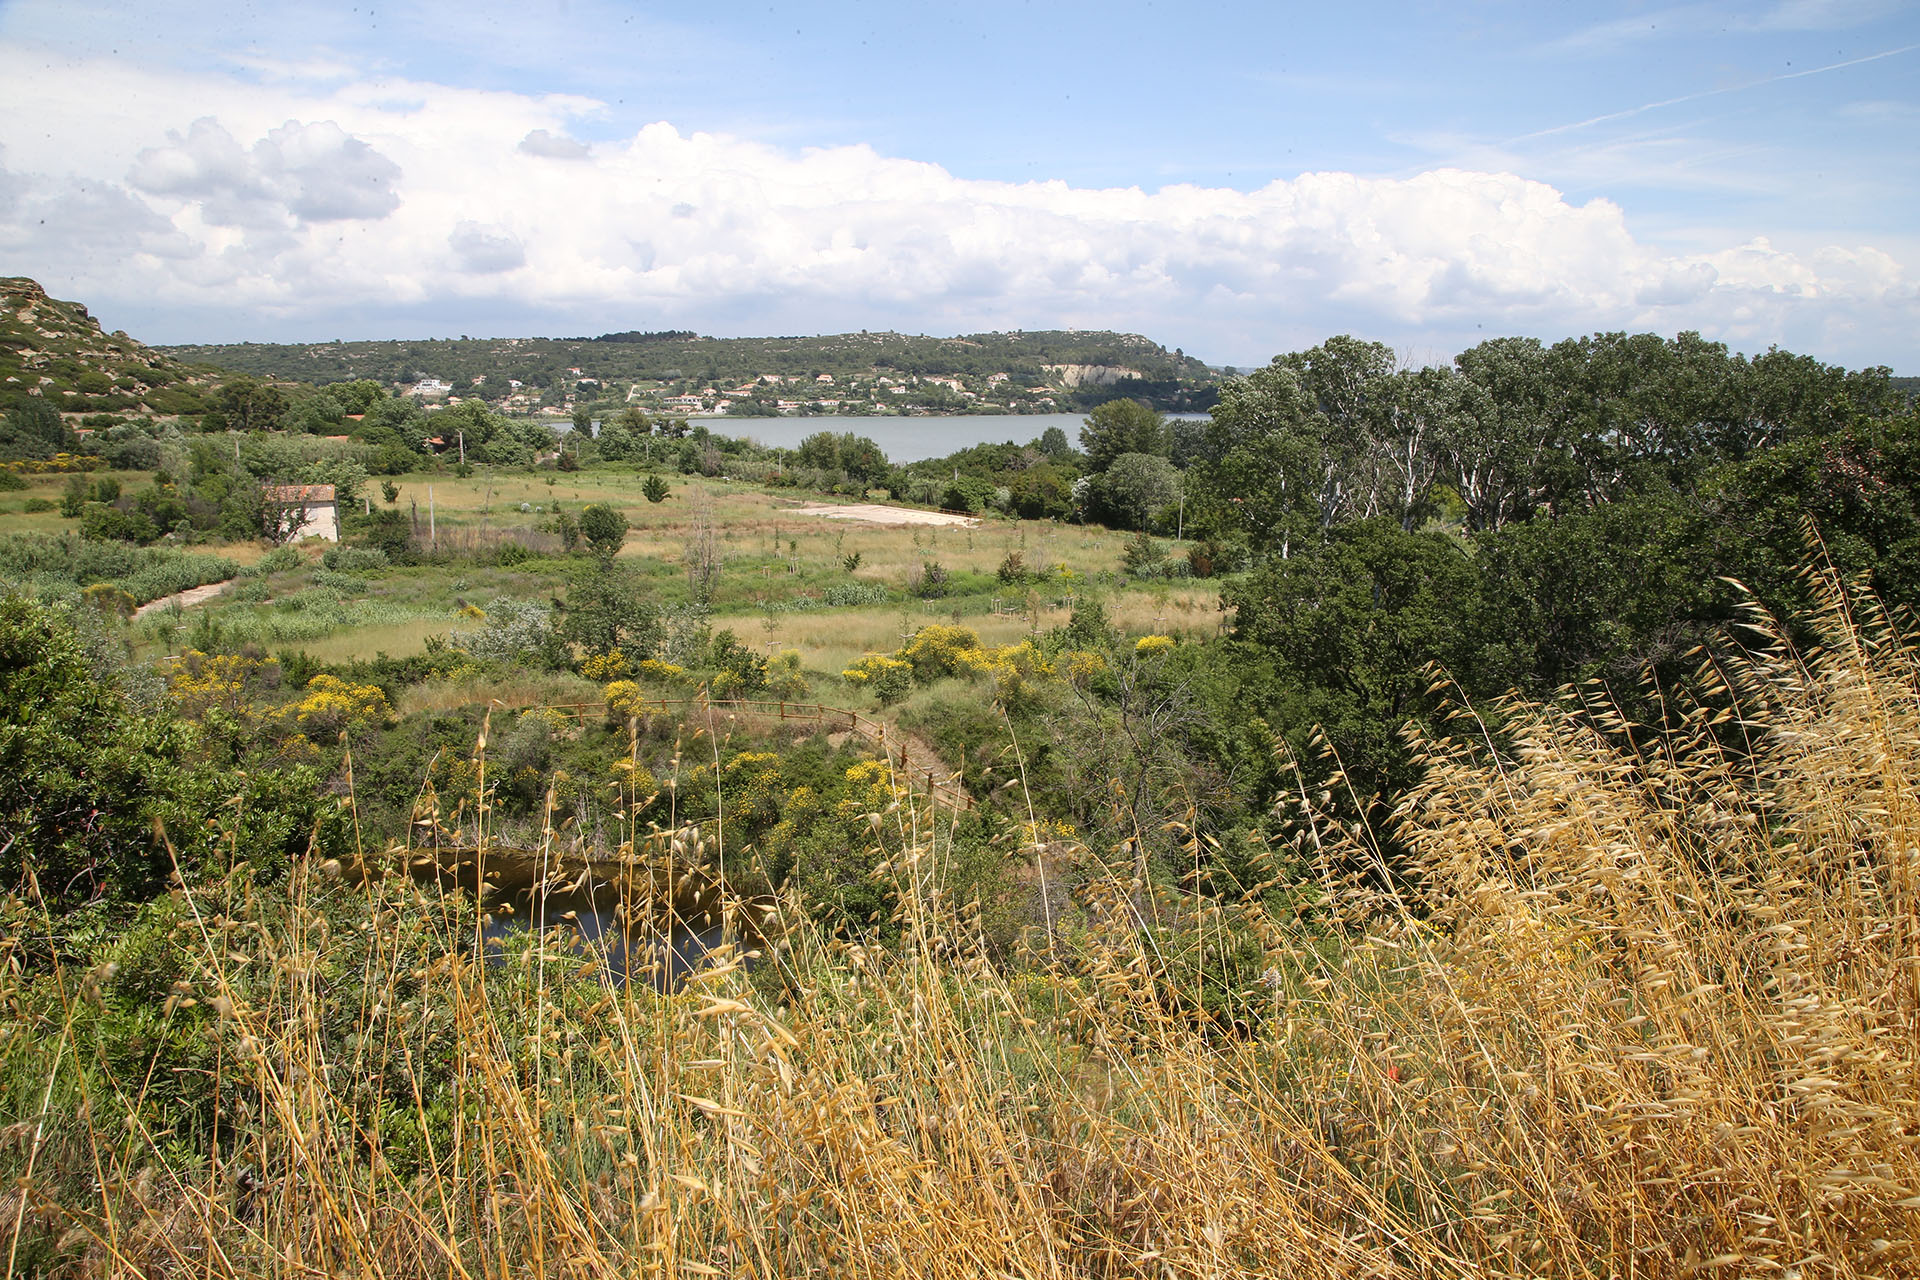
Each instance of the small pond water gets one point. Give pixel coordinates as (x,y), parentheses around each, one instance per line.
(627,954)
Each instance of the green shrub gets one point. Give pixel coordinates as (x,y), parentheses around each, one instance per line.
(968,493)
(604,528)
(354,559)
(855,593)
(517,631)
(931,583)
(278,560)
(388,532)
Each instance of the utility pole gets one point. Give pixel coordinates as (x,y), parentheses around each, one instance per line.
(462,433)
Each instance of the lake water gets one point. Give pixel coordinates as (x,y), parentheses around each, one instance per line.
(907,439)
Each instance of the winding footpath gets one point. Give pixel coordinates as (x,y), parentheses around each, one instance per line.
(191,596)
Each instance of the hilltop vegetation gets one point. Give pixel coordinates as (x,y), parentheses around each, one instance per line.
(1044,371)
(56,350)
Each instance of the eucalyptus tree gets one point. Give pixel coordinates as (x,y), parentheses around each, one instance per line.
(1494,448)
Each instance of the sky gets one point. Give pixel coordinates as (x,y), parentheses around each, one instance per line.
(1235,180)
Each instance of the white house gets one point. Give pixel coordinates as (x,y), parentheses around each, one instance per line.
(296,511)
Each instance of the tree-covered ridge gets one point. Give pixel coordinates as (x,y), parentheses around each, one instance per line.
(55,351)
(1052,369)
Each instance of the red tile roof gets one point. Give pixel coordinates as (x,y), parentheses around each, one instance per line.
(300,494)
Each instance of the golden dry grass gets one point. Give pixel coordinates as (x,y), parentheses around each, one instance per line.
(521,689)
(1643,1005)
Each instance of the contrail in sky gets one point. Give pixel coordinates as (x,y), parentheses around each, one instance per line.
(1709,93)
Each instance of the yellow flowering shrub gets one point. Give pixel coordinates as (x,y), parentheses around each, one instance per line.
(635,779)
(604,666)
(59,463)
(624,700)
(453,775)
(797,812)
(1146,646)
(660,672)
(332,704)
(940,650)
(1015,668)
(1047,831)
(785,680)
(110,599)
(555,720)
(1081,665)
(299,749)
(871,789)
(888,677)
(752,789)
(198,683)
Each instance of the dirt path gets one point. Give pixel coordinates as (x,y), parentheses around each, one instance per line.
(191,596)
(876,513)
(919,760)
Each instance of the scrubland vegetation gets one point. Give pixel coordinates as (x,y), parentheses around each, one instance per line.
(1430,822)
(1637,1000)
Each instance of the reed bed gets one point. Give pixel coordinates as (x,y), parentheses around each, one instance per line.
(1627,1002)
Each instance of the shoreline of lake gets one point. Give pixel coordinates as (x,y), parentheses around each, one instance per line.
(906,439)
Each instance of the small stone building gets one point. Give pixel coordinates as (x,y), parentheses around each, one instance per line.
(296,511)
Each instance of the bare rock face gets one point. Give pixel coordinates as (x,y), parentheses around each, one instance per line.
(1090,375)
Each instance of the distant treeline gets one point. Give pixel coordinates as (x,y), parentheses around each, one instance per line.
(1170,380)
(635,335)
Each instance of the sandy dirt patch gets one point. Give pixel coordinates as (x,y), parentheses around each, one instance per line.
(875,513)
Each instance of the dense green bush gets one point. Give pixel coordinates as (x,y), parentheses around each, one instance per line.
(59,564)
(349,559)
(604,528)
(102,792)
(386,531)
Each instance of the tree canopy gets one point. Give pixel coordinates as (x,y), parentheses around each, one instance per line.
(1122,426)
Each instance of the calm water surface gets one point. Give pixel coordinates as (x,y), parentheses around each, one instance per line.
(908,439)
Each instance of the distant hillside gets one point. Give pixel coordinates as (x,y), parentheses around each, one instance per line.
(58,351)
(986,372)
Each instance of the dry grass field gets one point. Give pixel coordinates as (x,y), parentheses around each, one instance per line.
(772,552)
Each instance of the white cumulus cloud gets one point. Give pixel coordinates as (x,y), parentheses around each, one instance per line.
(484,250)
(310,172)
(306,207)
(554,146)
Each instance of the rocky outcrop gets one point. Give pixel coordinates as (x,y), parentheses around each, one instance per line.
(1090,375)
(58,351)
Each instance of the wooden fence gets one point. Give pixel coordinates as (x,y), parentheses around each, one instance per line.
(919,774)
